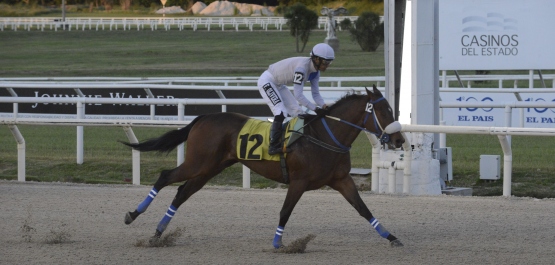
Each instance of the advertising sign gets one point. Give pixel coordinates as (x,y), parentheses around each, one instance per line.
(130,109)
(496,34)
(495,117)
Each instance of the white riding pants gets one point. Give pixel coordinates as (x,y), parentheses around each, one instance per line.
(279,99)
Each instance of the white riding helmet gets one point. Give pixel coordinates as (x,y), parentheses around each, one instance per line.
(323,50)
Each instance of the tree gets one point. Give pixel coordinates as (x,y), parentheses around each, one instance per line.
(125,4)
(301,21)
(368,31)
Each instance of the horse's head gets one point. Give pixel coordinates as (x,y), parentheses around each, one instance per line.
(384,124)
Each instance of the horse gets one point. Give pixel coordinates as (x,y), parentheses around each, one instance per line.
(319,157)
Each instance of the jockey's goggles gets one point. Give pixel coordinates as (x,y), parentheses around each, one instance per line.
(325,62)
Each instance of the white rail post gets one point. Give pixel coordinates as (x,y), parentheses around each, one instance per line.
(508,120)
(136,155)
(152,106)
(221,95)
(407,165)
(442,136)
(80,115)
(392,180)
(15,105)
(531,78)
(181,147)
(246,177)
(507,164)
(20,152)
(375,159)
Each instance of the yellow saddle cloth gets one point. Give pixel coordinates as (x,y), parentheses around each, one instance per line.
(254,139)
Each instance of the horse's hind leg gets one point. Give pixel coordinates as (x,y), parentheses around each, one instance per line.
(184,192)
(166,178)
(346,186)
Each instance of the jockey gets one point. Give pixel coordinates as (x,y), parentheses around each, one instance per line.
(272,85)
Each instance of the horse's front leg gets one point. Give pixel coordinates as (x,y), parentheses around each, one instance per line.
(346,186)
(293,196)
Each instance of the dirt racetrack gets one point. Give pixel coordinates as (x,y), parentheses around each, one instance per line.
(235,226)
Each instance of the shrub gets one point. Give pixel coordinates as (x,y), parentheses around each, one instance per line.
(368,31)
(346,24)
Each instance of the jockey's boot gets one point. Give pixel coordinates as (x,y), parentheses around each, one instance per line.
(275,135)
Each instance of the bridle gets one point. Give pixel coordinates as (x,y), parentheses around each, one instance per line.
(382,134)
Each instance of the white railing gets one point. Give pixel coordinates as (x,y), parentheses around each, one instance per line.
(241,83)
(141,23)
(503,133)
(127,125)
(81,120)
(151,23)
(446,80)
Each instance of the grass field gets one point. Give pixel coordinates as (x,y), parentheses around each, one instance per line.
(167,53)
(51,150)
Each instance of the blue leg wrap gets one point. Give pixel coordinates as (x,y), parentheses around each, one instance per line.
(381,230)
(166,219)
(143,205)
(277,238)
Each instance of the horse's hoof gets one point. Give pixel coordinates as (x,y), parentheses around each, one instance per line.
(396,243)
(279,246)
(128,218)
(153,240)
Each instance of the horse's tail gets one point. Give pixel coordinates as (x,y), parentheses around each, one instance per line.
(166,142)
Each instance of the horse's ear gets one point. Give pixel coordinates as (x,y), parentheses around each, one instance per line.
(374,92)
(377,92)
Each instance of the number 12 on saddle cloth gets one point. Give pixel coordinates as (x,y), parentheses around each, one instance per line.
(254,139)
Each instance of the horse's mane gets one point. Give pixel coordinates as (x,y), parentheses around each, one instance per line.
(351,95)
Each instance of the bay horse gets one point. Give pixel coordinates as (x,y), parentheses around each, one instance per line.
(320,157)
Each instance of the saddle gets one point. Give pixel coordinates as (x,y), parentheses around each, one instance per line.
(253,141)
(254,138)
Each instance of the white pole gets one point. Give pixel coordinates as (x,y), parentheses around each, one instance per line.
(246,177)
(507,164)
(392,183)
(136,155)
(390,52)
(181,147)
(508,120)
(375,159)
(20,152)
(80,115)
(405,98)
(407,165)
(531,78)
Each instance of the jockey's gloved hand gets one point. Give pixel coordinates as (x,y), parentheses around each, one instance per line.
(322,112)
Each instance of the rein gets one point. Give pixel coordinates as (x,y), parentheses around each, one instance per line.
(341,149)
